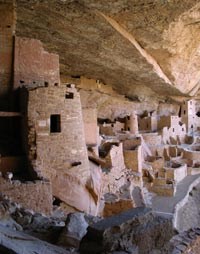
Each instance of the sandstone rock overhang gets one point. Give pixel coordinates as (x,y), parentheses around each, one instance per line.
(152,44)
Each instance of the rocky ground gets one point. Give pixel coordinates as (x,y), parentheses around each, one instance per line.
(135,231)
(189,214)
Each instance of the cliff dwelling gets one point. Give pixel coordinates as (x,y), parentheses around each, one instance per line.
(100,127)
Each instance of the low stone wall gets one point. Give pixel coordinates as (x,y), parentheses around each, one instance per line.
(36,195)
(152,139)
(164,190)
(156,162)
(112,208)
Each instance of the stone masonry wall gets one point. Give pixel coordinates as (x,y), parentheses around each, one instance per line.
(133,159)
(58,150)
(36,196)
(33,66)
(113,180)
(7,26)
(60,153)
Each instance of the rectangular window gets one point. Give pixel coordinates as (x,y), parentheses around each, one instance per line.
(69,96)
(55,124)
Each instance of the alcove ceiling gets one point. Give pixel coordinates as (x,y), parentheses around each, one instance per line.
(130,44)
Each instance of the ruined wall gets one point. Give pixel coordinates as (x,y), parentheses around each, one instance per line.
(115,157)
(148,123)
(117,207)
(7,27)
(36,196)
(115,178)
(87,83)
(133,159)
(109,103)
(164,121)
(110,129)
(33,66)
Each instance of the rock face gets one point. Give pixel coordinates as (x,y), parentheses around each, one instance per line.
(23,231)
(188,215)
(126,232)
(130,44)
(76,228)
(14,240)
(187,242)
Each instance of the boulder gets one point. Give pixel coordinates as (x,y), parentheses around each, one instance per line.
(18,242)
(74,231)
(127,232)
